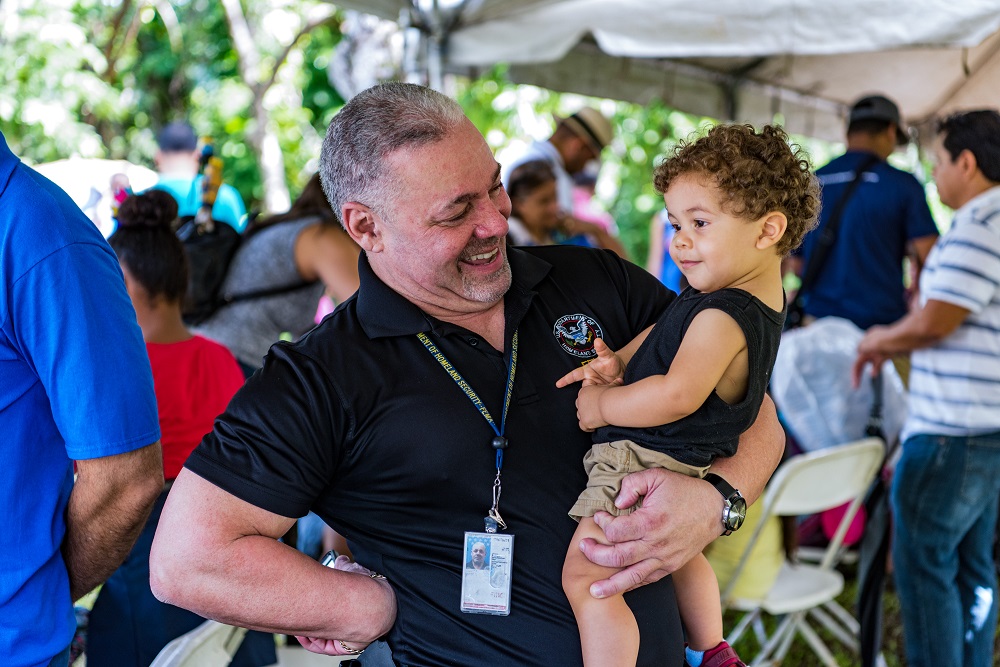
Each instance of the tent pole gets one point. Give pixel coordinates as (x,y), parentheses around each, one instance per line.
(440,19)
(413,46)
(437,39)
(731,89)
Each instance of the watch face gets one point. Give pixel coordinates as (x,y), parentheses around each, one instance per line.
(737,513)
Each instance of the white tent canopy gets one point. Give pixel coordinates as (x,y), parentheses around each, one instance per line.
(804,59)
(88,182)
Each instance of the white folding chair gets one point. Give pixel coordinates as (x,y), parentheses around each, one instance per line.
(211,644)
(806,484)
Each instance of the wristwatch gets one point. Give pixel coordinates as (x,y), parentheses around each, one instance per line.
(735,510)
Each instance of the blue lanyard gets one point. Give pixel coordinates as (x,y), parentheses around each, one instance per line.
(499,443)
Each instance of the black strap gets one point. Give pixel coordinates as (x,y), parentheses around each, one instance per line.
(874,427)
(196,195)
(269,291)
(824,244)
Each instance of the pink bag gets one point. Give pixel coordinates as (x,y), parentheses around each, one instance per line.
(817,530)
(831,518)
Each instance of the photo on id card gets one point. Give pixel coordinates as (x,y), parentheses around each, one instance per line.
(486,573)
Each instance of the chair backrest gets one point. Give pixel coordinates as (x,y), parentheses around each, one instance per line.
(817,481)
(211,644)
(827,478)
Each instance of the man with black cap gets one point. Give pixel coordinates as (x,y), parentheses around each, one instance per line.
(883,219)
(177,162)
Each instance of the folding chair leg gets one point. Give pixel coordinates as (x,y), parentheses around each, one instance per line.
(835,628)
(818,647)
(797,620)
(759,631)
(843,616)
(741,626)
(786,627)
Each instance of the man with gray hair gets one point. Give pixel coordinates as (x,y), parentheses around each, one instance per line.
(422,417)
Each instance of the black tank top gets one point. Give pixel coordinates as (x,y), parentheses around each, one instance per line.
(713,429)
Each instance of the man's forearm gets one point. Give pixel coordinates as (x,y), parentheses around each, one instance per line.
(923,327)
(220,557)
(759,453)
(107,509)
(259,583)
(679,515)
(265,585)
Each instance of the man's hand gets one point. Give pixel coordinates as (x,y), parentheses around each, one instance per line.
(588,407)
(679,517)
(869,352)
(334,646)
(326,646)
(571,226)
(606,369)
(920,328)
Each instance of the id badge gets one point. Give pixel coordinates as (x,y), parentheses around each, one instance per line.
(486,571)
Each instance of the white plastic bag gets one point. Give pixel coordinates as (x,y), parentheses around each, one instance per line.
(811,386)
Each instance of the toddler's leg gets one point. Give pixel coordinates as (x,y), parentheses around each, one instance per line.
(697,592)
(608,631)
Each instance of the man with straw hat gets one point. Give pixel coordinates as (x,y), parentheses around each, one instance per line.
(577,140)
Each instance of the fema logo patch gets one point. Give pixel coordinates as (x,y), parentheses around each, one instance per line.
(576,334)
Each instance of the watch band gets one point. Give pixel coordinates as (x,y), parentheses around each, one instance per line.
(736,507)
(722,486)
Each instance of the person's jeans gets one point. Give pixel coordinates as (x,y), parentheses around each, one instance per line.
(376,655)
(61,660)
(309,538)
(945,497)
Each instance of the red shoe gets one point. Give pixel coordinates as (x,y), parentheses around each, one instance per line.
(722,655)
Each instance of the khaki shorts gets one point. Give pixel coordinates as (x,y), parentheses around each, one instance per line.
(607,463)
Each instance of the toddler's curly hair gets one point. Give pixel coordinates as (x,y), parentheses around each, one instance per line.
(756,172)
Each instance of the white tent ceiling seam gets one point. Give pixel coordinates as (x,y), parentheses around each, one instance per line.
(729,59)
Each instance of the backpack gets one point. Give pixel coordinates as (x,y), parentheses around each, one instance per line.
(211,246)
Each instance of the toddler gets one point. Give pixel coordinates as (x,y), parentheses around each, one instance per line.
(680,394)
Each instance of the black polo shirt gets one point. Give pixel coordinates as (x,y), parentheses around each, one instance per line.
(358,422)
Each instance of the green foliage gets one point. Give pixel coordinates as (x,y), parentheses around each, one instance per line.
(503,110)
(495,105)
(98,79)
(645,134)
(320,98)
(50,84)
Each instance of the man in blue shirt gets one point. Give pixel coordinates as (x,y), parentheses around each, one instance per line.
(177,162)
(75,385)
(885,220)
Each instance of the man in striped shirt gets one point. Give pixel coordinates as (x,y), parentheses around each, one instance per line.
(946,488)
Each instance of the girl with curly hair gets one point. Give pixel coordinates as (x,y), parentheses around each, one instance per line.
(193,378)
